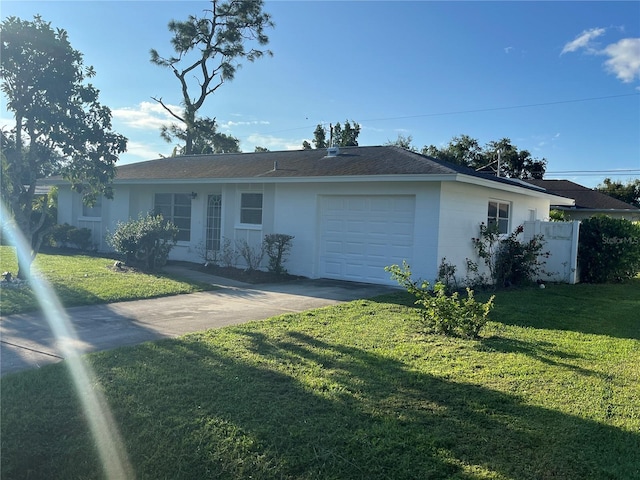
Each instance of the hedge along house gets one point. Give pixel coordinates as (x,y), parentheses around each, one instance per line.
(352,210)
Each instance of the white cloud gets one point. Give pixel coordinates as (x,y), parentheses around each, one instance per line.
(144,151)
(145,116)
(270,142)
(230,124)
(623,56)
(584,40)
(624,59)
(508,50)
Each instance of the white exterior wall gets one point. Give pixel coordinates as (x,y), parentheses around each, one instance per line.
(65,206)
(447,215)
(296,212)
(464,206)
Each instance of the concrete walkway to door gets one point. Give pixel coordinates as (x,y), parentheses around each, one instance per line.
(26,340)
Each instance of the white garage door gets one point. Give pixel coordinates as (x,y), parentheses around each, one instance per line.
(360,235)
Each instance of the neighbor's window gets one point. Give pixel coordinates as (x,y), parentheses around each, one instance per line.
(175,208)
(498,214)
(251,208)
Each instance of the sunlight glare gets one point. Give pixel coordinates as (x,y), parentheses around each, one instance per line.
(96,408)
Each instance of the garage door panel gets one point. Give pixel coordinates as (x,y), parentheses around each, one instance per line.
(359,236)
(356,226)
(333,247)
(354,249)
(377,251)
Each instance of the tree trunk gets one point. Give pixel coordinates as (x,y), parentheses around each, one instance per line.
(24,265)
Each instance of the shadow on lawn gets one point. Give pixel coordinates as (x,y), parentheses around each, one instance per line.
(544,352)
(608,309)
(611,309)
(359,416)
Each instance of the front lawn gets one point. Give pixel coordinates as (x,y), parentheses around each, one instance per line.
(84,280)
(357,391)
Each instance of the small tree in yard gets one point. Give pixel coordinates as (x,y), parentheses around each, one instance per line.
(145,242)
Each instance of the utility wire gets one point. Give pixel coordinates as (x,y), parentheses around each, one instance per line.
(478,110)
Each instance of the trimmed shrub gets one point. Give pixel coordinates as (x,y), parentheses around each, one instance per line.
(442,313)
(608,249)
(145,242)
(277,247)
(65,235)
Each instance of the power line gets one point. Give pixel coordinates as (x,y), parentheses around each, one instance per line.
(478,110)
(493,109)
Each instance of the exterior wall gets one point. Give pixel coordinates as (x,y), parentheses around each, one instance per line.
(447,215)
(464,206)
(296,212)
(65,206)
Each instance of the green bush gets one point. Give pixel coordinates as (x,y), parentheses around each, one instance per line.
(509,260)
(277,246)
(608,249)
(145,242)
(442,313)
(65,235)
(517,262)
(557,216)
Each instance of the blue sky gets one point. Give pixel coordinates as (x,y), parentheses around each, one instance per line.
(560,79)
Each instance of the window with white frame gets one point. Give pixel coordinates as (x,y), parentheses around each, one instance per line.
(498,214)
(251,208)
(175,208)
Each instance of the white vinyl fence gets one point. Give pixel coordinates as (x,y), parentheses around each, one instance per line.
(561,241)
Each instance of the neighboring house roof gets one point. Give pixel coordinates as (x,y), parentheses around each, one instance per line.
(586,198)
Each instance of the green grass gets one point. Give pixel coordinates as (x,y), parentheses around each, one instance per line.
(85,280)
(357,391)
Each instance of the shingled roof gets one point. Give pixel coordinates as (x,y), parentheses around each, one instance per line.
(351,161)
(291,163)
(586,198)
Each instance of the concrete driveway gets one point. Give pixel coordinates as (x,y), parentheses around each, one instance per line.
(27,341)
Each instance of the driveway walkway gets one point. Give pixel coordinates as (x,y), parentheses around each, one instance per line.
(26,340)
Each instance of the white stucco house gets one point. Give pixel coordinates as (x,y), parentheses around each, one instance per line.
(352,210)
